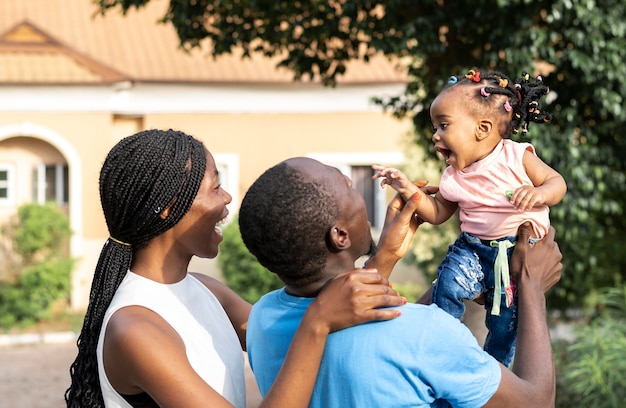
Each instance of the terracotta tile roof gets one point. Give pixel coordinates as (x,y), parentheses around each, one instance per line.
(66,41)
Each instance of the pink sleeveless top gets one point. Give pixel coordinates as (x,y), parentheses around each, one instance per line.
(481,194)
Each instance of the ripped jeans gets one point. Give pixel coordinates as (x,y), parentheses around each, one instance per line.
(466,272)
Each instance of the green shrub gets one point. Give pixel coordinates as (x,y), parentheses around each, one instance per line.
(591,369)
(242,272)
(39,235)
(410,290)
(38,288)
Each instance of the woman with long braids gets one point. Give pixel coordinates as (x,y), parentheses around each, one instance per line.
(156,335)
(496,183)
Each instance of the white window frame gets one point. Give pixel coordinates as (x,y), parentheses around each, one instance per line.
(41,183)
(228,168)
(345,161)
(9,184)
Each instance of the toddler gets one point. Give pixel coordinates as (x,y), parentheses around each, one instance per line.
(496,183)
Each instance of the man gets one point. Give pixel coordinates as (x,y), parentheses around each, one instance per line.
(305,222)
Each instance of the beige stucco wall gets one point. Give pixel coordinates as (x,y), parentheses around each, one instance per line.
(259,139)
(262,140)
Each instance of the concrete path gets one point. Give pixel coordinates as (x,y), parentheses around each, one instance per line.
(37,375)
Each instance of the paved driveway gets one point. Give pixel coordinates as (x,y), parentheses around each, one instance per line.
(36,376)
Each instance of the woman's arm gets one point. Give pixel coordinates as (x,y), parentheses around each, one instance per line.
(236,308)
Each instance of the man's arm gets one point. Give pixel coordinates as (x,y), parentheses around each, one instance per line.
(400,226)
(531,383)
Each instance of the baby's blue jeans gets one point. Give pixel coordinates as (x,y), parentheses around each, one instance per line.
(467,271)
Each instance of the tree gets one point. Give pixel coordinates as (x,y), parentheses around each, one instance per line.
(578,46)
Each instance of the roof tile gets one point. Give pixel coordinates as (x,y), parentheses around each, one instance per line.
(132,47)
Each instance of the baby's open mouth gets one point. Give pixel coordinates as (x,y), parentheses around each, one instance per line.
(444,152)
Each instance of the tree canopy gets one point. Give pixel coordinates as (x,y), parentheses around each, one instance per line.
(578,46)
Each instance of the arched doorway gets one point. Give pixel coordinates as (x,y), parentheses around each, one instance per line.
(37,165)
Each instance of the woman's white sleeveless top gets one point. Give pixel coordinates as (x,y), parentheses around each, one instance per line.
(212,346)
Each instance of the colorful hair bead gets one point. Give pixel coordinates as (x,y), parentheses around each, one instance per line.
(503,83)
(473,75)
(483,92)
(453,80)
(507,106)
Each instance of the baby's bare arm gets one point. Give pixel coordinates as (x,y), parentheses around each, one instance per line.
(395,179)
(548,185)
(433,209)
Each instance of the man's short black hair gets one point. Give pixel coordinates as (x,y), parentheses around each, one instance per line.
(285,219)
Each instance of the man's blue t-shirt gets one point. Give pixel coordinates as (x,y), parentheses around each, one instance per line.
(423,358)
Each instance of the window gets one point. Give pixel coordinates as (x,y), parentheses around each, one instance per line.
(357,166)
(374,197)
(228,168)
(7,184)
(51,183)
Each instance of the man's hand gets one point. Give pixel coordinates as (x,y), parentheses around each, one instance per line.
(355,297)
(540,263)
(400,226)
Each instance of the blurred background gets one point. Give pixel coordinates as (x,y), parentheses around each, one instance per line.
(345,82)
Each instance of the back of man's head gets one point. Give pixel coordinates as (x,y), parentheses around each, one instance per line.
(285,218)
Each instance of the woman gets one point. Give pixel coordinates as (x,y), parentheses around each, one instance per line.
(156,335)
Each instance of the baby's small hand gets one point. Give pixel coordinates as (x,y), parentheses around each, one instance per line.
(526,197)
(395,179)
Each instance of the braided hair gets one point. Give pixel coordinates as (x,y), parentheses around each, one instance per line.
(515,104)
(142,175)
(284,221)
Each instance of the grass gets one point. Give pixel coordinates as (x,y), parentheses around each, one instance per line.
(62,322)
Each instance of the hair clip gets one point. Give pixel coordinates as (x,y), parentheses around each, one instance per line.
(473,75)
(503,83)
(453,80)
(483,92)
(507,106)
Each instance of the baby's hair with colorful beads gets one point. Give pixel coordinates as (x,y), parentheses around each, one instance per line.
(513,104)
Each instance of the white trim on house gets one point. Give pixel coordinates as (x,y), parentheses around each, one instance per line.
(146,98)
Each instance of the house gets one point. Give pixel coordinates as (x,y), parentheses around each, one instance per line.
(74,82)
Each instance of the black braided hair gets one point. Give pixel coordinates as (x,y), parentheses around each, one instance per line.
(519,104)
(284,221)
(142,175)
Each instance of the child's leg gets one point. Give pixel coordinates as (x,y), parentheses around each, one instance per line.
(502,327)
(500,341)
(459,277)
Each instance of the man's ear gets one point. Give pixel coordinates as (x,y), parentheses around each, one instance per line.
(483,129)
(338,238)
